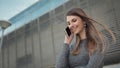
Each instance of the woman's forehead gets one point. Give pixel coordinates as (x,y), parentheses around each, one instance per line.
(72,17)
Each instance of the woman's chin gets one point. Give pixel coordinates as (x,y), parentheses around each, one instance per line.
(75,32)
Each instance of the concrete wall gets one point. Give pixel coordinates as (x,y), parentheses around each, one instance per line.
(37,44)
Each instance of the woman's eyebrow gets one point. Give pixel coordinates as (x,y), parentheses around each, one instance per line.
(68,22)
(74,18)
(71,20)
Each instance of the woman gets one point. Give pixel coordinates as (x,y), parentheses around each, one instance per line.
(90,46)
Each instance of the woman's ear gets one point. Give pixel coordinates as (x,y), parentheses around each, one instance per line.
(84,23)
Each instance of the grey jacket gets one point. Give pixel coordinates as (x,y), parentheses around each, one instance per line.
(82,60)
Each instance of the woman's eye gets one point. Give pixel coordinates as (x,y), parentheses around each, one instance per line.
(74,20)
(68,23)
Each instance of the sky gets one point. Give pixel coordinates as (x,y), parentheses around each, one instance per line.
(10,8)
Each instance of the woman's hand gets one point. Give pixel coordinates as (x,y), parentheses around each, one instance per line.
(68,39)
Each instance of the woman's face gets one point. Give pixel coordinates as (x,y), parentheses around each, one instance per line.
(75,24)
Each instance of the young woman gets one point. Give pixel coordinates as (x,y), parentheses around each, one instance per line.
(90,46)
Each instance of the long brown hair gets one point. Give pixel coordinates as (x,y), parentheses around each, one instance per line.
(95,38)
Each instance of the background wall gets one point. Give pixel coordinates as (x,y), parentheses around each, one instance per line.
(37,44)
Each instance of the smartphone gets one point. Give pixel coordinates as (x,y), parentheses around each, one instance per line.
(67,29)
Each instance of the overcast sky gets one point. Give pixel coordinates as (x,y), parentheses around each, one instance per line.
(9,8)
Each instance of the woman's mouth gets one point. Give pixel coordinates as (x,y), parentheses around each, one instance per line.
(74,29)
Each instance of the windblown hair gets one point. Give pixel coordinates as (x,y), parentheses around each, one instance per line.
(95,38)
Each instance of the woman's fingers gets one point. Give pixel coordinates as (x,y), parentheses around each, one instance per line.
(68,39)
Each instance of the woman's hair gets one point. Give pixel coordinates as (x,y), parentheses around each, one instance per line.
(95,38)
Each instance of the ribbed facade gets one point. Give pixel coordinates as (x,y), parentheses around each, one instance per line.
(36,44)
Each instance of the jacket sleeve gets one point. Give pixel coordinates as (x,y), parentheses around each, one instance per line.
(62,59)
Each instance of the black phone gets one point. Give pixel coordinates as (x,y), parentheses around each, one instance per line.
(67,29)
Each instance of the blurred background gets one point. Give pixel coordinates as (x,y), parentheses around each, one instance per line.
(37,32)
